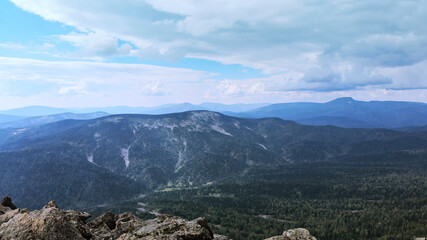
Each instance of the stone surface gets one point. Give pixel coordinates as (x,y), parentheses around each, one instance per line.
(53,223)
(221,237)
(294,234)
(108,219)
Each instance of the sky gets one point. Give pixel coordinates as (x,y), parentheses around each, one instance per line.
(82,53)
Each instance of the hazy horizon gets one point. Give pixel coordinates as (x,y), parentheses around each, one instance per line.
(181,103)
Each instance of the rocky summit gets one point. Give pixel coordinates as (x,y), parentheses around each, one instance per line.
(52,223)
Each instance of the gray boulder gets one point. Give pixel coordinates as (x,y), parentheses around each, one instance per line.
(294,234)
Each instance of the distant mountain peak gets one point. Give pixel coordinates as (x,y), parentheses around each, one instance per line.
(343,100)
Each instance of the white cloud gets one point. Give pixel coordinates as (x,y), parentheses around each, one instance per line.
(79,88)
(212,15)
(153,89)
(229,88)
(328,45)
(341,78)
(139,84)
(273,35)
(81,83)
(388,49)
(407,77)
(79,77)
(13,46)
(65,72)
(96,45)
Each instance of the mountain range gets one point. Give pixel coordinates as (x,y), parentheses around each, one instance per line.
(39,115)
(40,120)
(117,157)
(342,112)
(347,112)
(9,118)
(33,111)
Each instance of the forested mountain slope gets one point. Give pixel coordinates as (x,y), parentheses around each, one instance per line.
(133,154)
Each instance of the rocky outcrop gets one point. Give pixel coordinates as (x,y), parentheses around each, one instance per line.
(53,223)
(294,234)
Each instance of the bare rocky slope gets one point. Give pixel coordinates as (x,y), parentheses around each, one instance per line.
(53,223)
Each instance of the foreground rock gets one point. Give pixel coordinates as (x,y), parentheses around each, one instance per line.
(294,234)
(52,223)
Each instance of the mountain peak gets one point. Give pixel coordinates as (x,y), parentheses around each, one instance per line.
(343,100)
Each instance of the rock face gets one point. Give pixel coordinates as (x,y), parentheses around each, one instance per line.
(52,223)
(294,234)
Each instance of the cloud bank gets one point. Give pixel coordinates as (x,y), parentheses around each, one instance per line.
(300,45)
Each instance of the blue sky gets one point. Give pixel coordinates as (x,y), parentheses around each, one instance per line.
(151,52)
